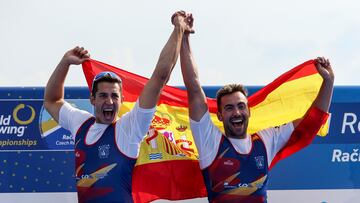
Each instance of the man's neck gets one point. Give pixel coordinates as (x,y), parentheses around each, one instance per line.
(236,137)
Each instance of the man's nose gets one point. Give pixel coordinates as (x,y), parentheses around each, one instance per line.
(109,100)
(237,111)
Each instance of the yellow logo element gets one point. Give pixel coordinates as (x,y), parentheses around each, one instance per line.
(88,181)
(21,122)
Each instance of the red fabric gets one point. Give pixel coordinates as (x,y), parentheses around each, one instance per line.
(156,181)
(303,134)
(133,85)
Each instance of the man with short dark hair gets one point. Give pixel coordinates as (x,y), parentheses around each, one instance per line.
(228,89)
(235,165)
(107,147)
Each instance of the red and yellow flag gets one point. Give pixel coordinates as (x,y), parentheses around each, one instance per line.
(167,167)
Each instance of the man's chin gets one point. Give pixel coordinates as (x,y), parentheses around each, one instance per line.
(106,121)
(240,133)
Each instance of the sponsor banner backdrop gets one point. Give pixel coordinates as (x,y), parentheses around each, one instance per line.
(19,125)
(36,155)
(345,124)
(26,125)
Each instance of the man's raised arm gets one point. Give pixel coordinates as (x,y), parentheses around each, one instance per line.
(196,96)
(54,91)
(323,98)
(167,60)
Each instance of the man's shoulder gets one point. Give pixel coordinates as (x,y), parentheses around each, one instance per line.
(71,118)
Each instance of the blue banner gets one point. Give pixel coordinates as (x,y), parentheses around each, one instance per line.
(36,154)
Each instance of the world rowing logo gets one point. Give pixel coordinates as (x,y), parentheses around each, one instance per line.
(16,123)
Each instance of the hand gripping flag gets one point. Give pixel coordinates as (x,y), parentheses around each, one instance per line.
(167,166)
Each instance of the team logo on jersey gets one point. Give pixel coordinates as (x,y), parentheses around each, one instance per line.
(228,162)
(259,160)
(104,151)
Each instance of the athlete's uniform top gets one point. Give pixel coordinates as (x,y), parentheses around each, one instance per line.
(235,170)
(105,154)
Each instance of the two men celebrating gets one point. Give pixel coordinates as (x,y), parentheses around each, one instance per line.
(110,176)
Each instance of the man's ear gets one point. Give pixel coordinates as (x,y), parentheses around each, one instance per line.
(219,116)
(92,100)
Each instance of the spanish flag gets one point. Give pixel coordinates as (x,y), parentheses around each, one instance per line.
(167,167)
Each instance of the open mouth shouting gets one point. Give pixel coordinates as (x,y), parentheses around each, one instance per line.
(237,122)
(109,113)
(236,127)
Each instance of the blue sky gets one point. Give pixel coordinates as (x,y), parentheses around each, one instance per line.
(249,42)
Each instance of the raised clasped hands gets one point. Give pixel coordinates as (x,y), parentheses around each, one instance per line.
(183,20)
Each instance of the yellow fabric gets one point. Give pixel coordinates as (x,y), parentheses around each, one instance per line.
(288,102)
(174,122)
